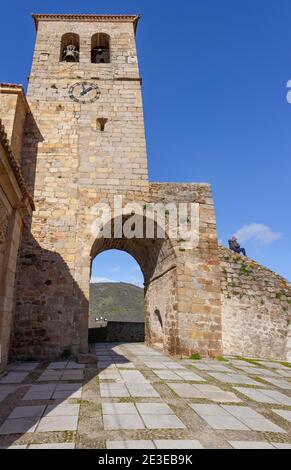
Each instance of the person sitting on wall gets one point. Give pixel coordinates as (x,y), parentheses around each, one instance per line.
(235,246)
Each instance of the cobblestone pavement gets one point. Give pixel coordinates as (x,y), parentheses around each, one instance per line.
(138,397)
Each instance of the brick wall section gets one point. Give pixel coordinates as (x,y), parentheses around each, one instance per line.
(256,309)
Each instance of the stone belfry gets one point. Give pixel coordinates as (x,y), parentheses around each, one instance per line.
(85,94)
(83,144)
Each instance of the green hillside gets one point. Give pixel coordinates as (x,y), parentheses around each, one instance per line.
(117,302)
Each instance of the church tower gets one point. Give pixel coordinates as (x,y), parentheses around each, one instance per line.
(85,94)
(84,142)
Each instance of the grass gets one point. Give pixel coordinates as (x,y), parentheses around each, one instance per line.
(195,357)
(286,364)
(127,400)
(221,359)
(251,361)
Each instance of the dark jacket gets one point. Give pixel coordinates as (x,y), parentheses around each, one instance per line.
(234,245)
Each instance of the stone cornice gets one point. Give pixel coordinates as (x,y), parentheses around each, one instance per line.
(106,18)
(15,167)
(13,88)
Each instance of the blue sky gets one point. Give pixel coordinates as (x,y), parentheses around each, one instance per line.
(214,88)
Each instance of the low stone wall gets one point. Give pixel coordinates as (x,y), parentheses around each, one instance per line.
(256,309)
(117,331)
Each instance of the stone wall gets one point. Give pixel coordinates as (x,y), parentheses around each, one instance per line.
(194,322)
(256,309)
(15,204)
(127,332)
(13,111)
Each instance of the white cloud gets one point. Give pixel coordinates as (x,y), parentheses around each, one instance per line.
(97,280)
(258,232)
(115,269)
(136,281)
(135,268)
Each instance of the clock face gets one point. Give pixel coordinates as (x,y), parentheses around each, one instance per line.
(84,92)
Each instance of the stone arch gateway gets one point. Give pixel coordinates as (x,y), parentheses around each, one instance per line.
(157,260)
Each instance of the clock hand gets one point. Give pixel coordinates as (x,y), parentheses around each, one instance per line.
(85,91)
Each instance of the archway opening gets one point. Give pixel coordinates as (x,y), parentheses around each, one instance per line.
(156,259)
(70,47)
(100,48)
(116,305)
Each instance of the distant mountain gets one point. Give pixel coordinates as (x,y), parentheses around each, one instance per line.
(117,301)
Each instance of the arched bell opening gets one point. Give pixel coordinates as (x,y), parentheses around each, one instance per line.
(70,48)
(100,48)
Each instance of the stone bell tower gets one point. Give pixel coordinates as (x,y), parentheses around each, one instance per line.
(84,142)
(85,94)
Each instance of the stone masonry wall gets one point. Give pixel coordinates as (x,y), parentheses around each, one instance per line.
(13,112)
(13,206)
(256,309)
(71,166)
(194,323)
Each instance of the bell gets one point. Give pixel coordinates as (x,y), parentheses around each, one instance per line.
(70,54)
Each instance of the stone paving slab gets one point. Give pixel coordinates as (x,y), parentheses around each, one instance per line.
(114,390)
(177,444)
(62,445)
(154,409)
(118,409)
(273,365)
(240,362)
(163,422)
(251,445)
(278,383)
(63,409)
(133,444)
(19,426)
(121,421)
(286,414)
(23,366)
(218,418)
(111,374)
(58,365)
(178,375)
(285,373)
(58,423)
(207,366)
(53,391)
(259,371)
(185,390)
(209,392)
(14,377)
(128,365)
(142,390)
(16,447)
(27,412)
(234,378)
(132,376)
(252,419)
(265,396)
